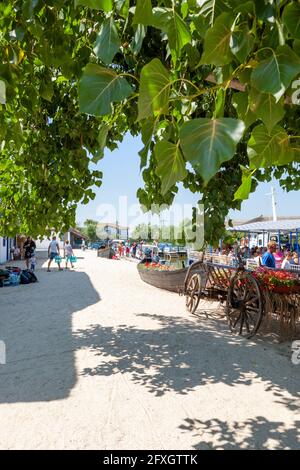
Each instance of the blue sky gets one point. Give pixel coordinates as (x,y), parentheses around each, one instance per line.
(122,178)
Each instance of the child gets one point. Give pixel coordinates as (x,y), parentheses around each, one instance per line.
(68,254)
(33,261)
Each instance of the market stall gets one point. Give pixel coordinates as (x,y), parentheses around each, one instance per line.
(250,297)
(283,232)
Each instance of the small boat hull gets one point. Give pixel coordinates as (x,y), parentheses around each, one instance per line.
(169,280)
(106,252)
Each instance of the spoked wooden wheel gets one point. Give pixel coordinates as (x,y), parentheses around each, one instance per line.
(193,292)
(244,308)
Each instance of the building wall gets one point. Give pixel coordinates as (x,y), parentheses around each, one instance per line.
(42,245)
(5,245)
(3,256)
(74,240)
(123,233)
(112,233)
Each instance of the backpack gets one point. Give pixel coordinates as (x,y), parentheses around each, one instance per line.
(24,279)
(29,275)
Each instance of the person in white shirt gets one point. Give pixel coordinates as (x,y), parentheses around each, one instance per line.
(53,251)
(286,263)
(16,253)
(68,254)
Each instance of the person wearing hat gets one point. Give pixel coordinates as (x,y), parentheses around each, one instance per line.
(268,258)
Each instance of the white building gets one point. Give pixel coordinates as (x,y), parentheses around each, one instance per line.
(112,231)
(6,244)
(74,236)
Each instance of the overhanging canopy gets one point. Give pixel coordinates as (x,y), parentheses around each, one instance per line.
(269,226)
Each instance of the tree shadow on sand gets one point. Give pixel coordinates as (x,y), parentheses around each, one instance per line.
(256,433)
(40,346)
(180,354)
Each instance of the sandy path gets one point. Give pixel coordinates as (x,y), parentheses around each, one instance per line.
(98,359)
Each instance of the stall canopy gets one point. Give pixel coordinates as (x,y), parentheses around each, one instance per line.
(269,226)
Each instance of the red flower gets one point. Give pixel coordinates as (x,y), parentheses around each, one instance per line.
(272,279)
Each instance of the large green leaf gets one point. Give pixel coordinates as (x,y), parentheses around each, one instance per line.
(143,13)
(242,43)
(211,9)
(28,8)
(139,36)
(46,90)
(155,88)
(241,103)
(296,46)
(102,136)
(147,133)
(2,92)
(161,18)
(274,75)
(170,166)
(207,143)
(123,7)
(245,7)
(200,24)
(105,5)
(266,148)
(99,88)
(265,107)
(291,19)
(217,42)
(107,43)
(193,56)
(220,103)
(185,8)
(168,20)
(244,190)
(178,33)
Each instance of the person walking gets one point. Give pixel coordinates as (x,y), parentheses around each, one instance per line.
(68,254)
(53,251)
(29,249)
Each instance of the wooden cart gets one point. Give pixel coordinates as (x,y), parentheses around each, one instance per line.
(246,303)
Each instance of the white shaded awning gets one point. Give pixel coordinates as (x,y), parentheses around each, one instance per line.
(269,226)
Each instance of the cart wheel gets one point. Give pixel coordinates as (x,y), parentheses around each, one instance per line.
(244,308)
(193,293)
